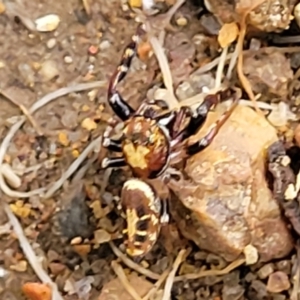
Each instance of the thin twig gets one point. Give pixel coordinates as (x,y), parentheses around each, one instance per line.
(165,69)
(243,27)
(24,111)
(206,273)
(29,253)
(37,105)
(73,167)
(157,285)
(125,282)
(128,262)
(170,280)
(220,68)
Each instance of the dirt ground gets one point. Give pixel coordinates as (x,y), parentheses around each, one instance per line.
(87,48)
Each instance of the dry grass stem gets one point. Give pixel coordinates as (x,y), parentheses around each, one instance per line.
(129,263)
(24,111)
(73,167)
(206,273)
(11,177)
(220,68)
(33,260)
(165,69)
(244,81)
(157,285)
(170,280)
(37,105)
(125,282)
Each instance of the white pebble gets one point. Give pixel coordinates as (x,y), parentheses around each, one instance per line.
(49,70)
(68,59)
(104,45)
(47,23)
(51,43)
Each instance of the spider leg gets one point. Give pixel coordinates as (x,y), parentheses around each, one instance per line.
(208,138)
(114,162)
(152,108)
(198,117)
(114,145)
(120,107)
(164,218)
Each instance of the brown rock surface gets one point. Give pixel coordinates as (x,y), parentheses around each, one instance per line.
(270,16)
(227,203)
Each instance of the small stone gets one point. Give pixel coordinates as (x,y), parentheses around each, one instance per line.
(63,139)
(2,7)
(56,268)
(47,23)
(265,271)
(278,282)
(49,70)
(51,43)
(21,266)
(251,254)
(68,59)
(75,153)
(37,291)
(77,240)
(88,124)
(82,250)
(104,45)
(135,3)
(101,236)
(93,50)
(284,266)
(181,21)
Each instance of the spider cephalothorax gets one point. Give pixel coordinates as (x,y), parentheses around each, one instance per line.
(145,147)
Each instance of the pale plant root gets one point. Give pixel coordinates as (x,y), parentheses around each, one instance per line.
(33,260)
(12,131)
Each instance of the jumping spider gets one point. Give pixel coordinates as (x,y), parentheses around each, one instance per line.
(153,139)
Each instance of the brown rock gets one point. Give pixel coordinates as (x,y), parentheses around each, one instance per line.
(115,290)
(56,268)
(227,203)
(273,15)
(278,282)
(269,73)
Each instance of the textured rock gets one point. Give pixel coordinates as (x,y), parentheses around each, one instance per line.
(227,204)
(273,15)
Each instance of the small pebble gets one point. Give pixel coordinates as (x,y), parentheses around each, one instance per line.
(51,43)
(265,271)
(278,282)
(49,70)
(101,236)
(2,7)
(47,23)
(68,59)
(181,21)
(297,135)
(251,254)
(284,266)
(104,45)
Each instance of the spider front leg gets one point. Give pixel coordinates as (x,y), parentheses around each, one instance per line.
(208,138)
(197,118)
(113,162)
(120,107)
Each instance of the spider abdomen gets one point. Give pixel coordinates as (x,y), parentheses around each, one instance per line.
(142,209)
